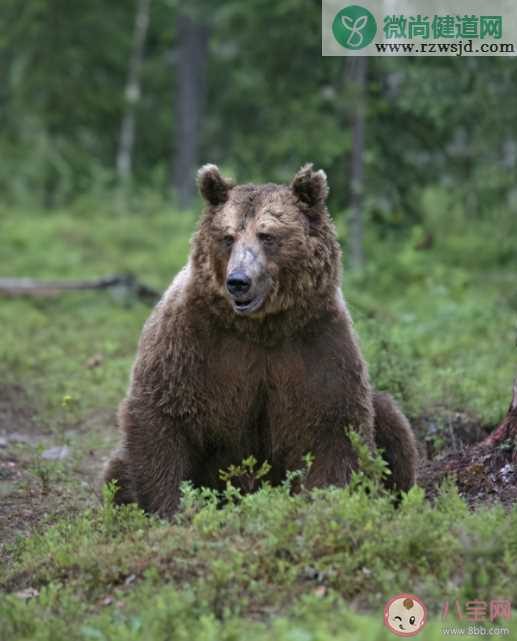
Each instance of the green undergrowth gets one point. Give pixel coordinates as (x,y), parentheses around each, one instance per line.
(51,343)
(270,565)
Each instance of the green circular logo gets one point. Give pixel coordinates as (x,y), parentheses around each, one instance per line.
(354,27)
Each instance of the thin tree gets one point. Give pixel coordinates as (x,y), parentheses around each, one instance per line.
(191,58)
(357,68)
(132,93)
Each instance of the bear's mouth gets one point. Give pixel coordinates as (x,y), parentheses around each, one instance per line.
(244,307)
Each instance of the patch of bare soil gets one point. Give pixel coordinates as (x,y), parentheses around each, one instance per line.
(447,432)
(17,416)
(43,477)
(484,467)
(18,429)
(482,475)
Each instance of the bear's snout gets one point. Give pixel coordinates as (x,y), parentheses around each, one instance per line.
(238,283)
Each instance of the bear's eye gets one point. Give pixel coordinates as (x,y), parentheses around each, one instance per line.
(412,620)
(228,240)
(267,239)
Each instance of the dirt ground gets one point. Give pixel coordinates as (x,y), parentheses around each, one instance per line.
(43,476)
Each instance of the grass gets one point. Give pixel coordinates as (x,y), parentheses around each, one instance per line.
(267,565)
(437,327)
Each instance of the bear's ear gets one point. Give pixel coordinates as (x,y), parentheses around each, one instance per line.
(213,187)
(310,186)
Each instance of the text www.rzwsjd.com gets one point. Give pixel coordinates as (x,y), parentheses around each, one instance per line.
(458,47)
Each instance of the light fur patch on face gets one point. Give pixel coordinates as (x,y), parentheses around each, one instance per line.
(230,219)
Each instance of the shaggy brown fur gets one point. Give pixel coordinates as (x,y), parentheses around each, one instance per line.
(252,351)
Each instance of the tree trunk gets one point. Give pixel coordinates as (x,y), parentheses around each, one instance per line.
(190,88)
(358,68)
(132,94)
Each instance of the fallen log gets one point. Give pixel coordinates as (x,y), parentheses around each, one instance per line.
(14,287)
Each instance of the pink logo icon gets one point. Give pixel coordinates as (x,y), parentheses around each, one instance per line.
(405,615)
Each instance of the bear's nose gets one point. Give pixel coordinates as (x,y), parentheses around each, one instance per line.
(238,283)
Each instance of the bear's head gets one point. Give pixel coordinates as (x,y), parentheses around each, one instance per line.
(265,250)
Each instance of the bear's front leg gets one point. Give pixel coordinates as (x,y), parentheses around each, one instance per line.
(334,461)
(158,459)
(117,470)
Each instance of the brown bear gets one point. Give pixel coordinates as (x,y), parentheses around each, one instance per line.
(251,351)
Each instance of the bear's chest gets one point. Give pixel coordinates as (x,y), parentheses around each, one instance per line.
(235,372)
(266,390)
